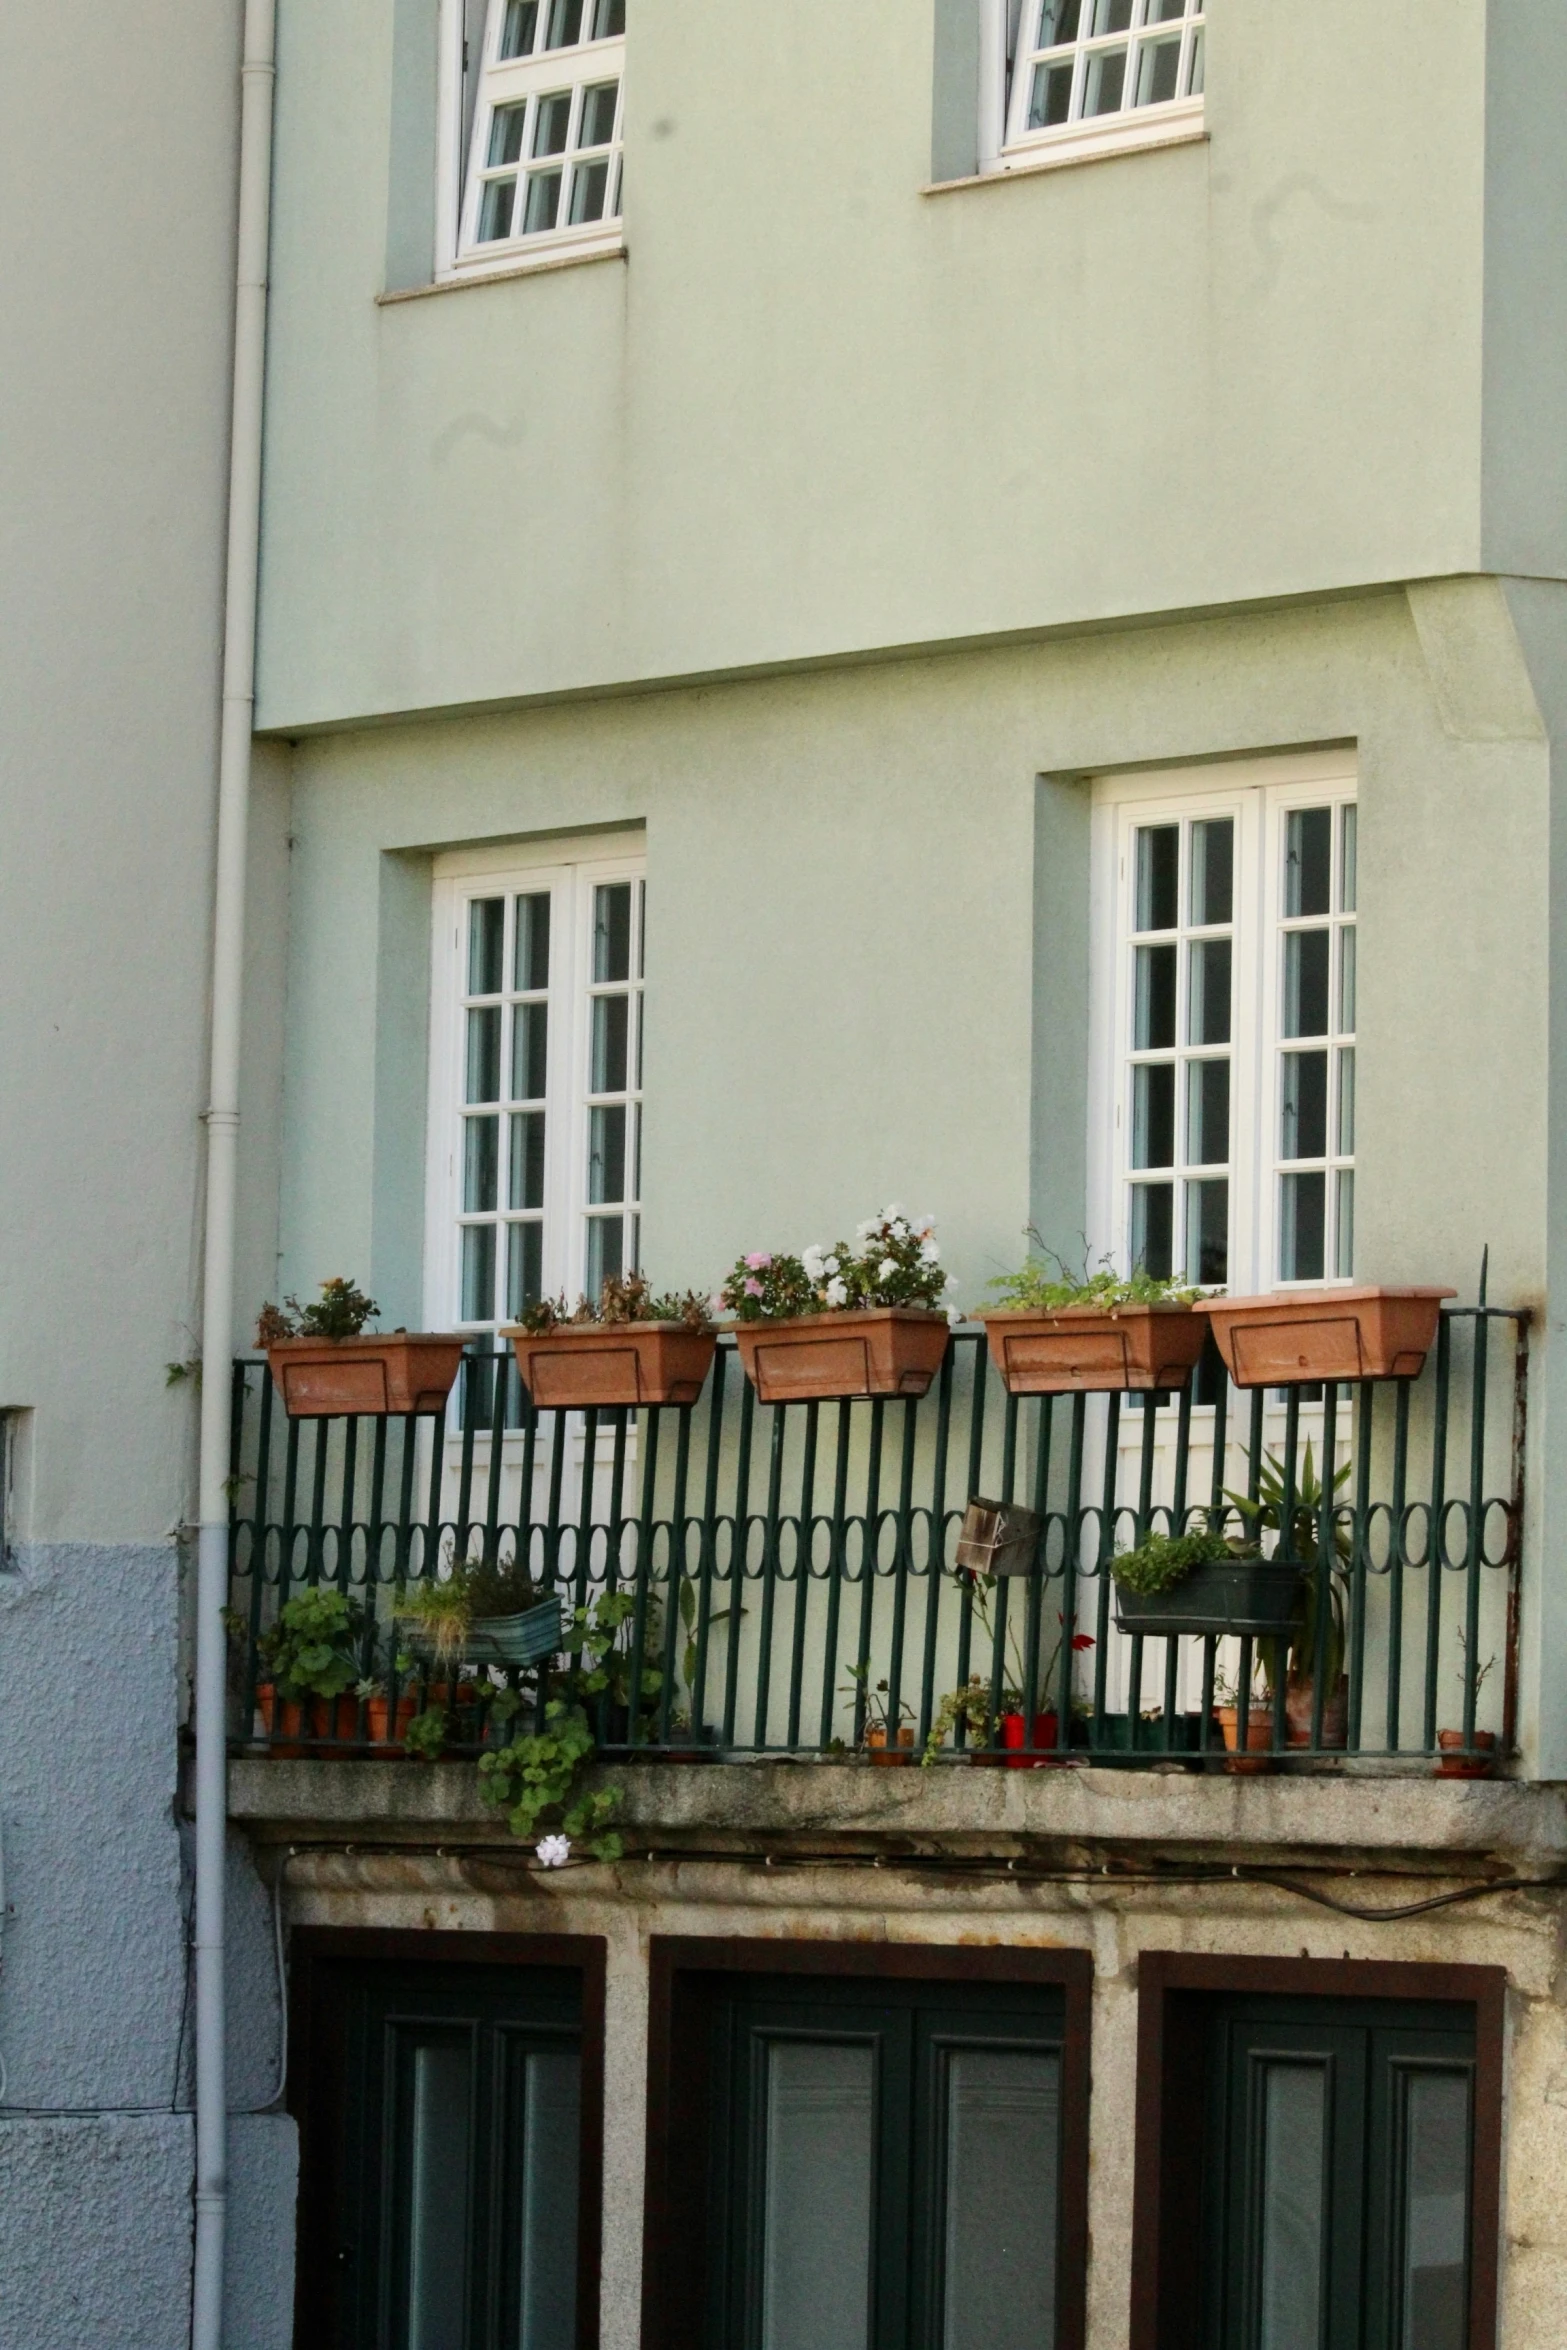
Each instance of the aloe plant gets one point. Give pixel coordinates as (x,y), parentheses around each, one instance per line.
(1298,1656)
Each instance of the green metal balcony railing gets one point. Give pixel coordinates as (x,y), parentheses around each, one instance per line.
(790,1570)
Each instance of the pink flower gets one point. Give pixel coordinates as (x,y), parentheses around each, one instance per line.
(758,1264)
(753,1289)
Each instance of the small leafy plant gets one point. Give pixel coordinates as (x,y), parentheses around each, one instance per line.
(1297,1657)
(625,1298)
(341,1311)
(539,1774)
(879,1714)
(448,1606)
(895,1260)
(1045,1283)
(311,1651)
(1162,1561)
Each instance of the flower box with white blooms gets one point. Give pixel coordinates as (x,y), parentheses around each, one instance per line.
(866,1319)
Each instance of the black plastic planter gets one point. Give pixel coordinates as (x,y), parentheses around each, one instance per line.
(1253,1598)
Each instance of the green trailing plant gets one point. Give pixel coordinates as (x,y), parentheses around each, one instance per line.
(313,1648)
(1161,1562)
(968,1706)
(341,1311)
(538,1775)
(1297,1656)
(894,1260)
(627,1298)
(1045,1283)
(688,1618)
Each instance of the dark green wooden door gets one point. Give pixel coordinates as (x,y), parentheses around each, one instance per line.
(457,2157)
(886,2166)
(1338,2151)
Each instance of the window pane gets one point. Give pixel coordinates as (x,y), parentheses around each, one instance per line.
(1434,2300)
(1002,2156)
(589,188)
(531,962)
(495,210)
(611,1015)
(1294,2129)
(1213,872)
(526,1183)
(606,1155)
(1194,84)
(1344,1236)
(606,1252)
(565,26)
(1103,81)
(1308,860)
(1208,1233)
(1050,101)
(816,2197)
(1346,1105)
(552,124)
(1304,1206)
(484,1054)
(1303,1122)
(506,126)
(530,1043)
(1158,72)
(1346,980)
(1347,853)
(436,2218)
(522,22)
(1158,877)
(481,1165)
(1164,11)
(1058,21)
(612,932)
(598,115)
(610,21)
(1306,982)
(478,1272)
(1208,1005)
(1153,1114)
(542,203)
(486,945)
(1154,1010)
(1108,16)
(1207,1113)
(550,2163)
(1153,1221)
(524,1268)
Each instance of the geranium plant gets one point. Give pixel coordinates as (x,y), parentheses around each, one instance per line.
(894,1260)
(341,1311)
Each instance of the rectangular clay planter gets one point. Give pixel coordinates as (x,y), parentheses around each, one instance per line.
(402,1371)
(606,1366)
(1296,1335)
(1242,1596)
(1094,1348)
(869,1350)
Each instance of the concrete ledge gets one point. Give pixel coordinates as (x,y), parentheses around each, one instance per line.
(796,1806)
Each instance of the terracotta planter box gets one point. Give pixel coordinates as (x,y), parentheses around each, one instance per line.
(1479,1763)
(298,1726)
(1296,1335)
(323,1378)
(606,1366)
(386,1730)
(870,1350)
(1094,1348)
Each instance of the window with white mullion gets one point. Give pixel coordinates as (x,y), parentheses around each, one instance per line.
(1314,1132)
(505,1117)
(613,1100)
(1087,62)
(545,163)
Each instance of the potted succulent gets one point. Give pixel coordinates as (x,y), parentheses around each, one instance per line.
(481,1613)
(325,1363)
(1295,1335)
(1053,1334)
(1204,1582)
(844,1321)
(630,1348)
(308,1670)
(1468,1758)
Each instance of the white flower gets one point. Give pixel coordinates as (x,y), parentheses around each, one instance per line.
(886,1269)
(954,1314)
(951,1281)
(925,1226)
(930,1253)
(830,1265)
(898,1230)
(811,1259)
(553,1851)
(870,1225)
(837,1292)
(892,1214)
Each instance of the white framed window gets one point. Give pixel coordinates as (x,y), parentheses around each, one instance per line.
(535,1081)
(1223,1022)
(534,127)
(1085,77)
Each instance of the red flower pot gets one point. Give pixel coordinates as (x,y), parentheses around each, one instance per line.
(1046,1733)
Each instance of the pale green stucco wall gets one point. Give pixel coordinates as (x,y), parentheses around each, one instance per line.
(815,411)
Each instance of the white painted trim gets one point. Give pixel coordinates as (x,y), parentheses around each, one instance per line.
(1111,134)
(513,82)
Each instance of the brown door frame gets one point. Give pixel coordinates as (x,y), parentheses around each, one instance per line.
(315,2087)
(686,1974)
(1172,1988)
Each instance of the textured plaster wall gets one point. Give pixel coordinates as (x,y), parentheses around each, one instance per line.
(96,2233)
(1523,1934)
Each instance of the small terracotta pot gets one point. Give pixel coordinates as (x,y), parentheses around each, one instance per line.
(1455,1764)
(1297,1335)
(870,1350)
(890,1756)
(1046,1731)
(1094,1348)
(334,1718)
(283,1721)
(1259,1735)
(386,1735)
(585,1366)
(381,1376)
(1300,1698)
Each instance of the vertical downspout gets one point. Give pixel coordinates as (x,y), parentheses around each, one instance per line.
(217,1320)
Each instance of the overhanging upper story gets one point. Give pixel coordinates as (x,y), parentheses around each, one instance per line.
(829,386)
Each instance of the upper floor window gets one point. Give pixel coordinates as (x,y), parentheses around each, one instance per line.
(543,176)
(1091,75)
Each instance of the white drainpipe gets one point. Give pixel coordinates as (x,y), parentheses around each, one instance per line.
(217,1322)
